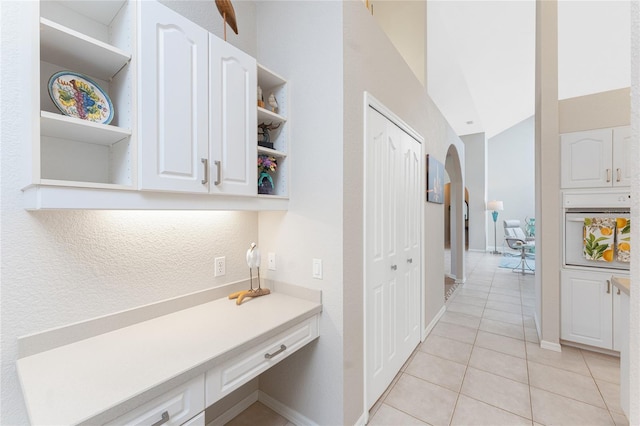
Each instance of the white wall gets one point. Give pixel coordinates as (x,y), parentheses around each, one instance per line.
(510,177)
(303,43)
(475,148)
(634,328)
(60,267)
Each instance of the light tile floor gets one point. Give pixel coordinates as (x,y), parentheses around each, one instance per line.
(482,365)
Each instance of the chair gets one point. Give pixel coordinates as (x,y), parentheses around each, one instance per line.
(517,240)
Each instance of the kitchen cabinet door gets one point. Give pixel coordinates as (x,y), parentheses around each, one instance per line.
(232,119)
(587,308)
(173,101)
(622,156)
(586,159)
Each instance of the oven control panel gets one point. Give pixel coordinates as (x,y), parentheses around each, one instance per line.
(608,199)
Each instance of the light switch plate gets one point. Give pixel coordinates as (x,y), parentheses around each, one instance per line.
(317,269)
(271,261)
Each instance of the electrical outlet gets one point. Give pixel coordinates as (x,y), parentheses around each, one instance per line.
(220,266)
(272,261)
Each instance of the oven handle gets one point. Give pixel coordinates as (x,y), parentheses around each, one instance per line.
(580,220)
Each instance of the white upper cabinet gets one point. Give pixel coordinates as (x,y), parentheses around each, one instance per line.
(595,158)
(173,103)
(622,156)
(232,119)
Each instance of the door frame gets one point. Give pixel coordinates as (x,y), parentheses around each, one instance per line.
(371,102)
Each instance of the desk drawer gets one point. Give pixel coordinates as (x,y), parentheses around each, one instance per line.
(234,372)
(180,404)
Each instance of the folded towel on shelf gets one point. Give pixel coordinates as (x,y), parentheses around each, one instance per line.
(623,237)
(599,235)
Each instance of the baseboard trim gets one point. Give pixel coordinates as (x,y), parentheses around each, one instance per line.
(288,413)
(433,323)
(228,415)
(552,346)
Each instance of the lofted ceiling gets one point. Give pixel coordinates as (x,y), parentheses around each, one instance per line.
(481,57)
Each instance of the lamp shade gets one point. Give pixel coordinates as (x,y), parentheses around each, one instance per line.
(495,206)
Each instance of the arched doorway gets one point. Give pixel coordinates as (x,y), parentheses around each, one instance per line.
(456,214)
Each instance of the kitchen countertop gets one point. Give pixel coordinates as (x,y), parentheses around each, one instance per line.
(623,283)
(101,377)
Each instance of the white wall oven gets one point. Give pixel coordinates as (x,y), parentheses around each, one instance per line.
(597,231)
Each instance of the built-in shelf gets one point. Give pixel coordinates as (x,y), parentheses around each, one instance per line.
(269,151)
(266,115)
(71,128)
(79,52)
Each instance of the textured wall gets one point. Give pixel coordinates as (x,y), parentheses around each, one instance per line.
(60,267)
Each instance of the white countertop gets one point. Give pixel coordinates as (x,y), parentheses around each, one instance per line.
(623,283)
(75,383)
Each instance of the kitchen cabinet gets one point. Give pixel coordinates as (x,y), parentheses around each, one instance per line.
(590,309)
(199,135)
(185,114)
(232,121)
(174,139)
(596,158)
(94,39)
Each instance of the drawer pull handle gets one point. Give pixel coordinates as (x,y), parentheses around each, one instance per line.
(409,260)
(394,267)
(163,420)
(205,161)
(282,349)
(218,180)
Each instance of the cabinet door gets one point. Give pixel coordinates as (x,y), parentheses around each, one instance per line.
(622,156)
(173,101)
(586,308)
(233,121)
(617,320)
(586,159)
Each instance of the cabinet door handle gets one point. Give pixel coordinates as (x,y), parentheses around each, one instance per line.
(394,267)
(269,356)
(608,286)
(163,420)
(619,175)
(218,172)
(409,260)
(205,161)
(608,175)
(618,292)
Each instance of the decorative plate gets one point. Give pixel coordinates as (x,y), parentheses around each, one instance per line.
(76,95)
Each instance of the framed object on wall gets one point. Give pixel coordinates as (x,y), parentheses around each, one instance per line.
(435,180)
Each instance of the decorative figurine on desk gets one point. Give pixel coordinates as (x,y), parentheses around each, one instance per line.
(273,103)
(253,261)
(228,15)
(266,137)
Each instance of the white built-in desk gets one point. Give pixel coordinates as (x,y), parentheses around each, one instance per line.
(219,344)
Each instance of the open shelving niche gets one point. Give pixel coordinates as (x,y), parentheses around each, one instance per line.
(271,82)
(95,39)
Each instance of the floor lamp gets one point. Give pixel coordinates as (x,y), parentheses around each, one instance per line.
(495,206)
